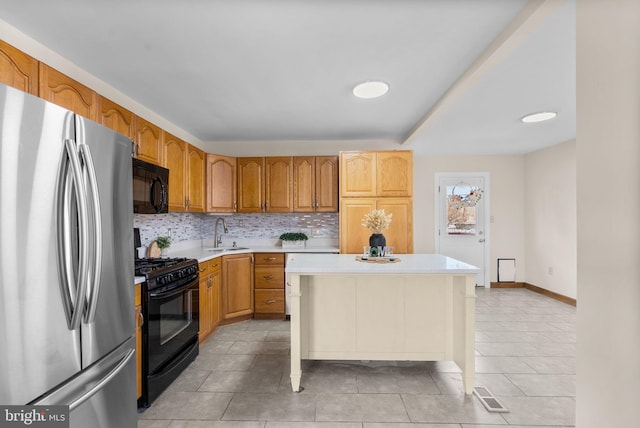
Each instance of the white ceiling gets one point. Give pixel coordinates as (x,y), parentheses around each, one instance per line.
(258,73)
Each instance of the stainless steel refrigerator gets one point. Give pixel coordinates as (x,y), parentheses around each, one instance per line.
(67,328)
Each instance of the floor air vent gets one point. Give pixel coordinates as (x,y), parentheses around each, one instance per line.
(488,400)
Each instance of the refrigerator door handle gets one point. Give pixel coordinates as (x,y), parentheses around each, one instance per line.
(105,380)
(96,262)
(71,180)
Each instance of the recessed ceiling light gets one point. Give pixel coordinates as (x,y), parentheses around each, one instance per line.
(370,89)
(539,117)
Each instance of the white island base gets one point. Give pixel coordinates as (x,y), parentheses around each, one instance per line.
(342,309)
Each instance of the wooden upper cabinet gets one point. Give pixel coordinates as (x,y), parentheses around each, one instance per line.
(116,117)
(250,184)
(357,174)
(265,184)
(315,184)
(221,184)
(17,69)
(394,173)
(174,153)
(66,92)
(279,184)
(196,162)
(326,183)
(383,173)
(148,141)
(304,183)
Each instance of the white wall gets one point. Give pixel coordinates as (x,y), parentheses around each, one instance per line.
(550,218)
(608,177)
(507,203)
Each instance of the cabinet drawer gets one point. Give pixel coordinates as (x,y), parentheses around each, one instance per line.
(269,301)
(203,268)
(215,265)
(269,259)
(269,277)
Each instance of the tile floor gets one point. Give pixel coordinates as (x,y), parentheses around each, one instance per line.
(525,355)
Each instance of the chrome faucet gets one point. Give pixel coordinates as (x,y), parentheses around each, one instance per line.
(218,238)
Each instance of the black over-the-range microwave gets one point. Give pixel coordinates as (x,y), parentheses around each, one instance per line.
(150,188)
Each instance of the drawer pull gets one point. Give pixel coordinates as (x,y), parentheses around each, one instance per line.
(203,269)
(268,277)
(216,265)
(269,259)
(269,302)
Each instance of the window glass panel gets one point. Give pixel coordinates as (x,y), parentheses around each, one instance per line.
(461,214)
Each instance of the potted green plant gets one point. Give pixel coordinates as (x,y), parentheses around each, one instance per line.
(164,242)
(293,240)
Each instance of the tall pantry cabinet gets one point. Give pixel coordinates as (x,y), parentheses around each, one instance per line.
(376,180)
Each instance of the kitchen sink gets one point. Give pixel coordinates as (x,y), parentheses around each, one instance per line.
(221,249)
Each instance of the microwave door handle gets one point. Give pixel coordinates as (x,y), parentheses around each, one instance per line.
(96,268)
(158,207)
(165,195)
(72,180)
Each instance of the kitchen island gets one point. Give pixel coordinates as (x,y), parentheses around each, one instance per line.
(418,308)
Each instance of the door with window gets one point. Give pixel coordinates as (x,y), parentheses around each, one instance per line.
(461,227)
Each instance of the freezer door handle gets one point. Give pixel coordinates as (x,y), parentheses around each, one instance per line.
(105,380)
(71,179)
(96,260)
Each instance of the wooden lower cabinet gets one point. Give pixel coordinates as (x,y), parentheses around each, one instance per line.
(237,286)
(269,285)
(354,236)
(209,295)
(139,322)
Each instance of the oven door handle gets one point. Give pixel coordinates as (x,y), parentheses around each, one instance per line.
(171,292)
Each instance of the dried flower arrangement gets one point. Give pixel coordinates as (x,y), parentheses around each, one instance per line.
(376,221)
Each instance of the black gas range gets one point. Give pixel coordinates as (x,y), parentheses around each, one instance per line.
(170,307)
(166,273)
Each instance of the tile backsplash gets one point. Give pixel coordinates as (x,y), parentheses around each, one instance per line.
(190,226)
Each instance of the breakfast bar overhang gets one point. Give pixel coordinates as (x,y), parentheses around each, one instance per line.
(418,308)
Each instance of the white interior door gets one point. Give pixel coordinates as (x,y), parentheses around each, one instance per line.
(461,212)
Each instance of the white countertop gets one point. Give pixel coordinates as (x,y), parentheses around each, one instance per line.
(205,253)
(347,263)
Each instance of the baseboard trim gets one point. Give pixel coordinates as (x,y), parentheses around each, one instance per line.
(561,298)
(507,285)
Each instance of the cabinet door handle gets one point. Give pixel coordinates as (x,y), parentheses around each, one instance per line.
(235,205)
(268,277)
(141,316)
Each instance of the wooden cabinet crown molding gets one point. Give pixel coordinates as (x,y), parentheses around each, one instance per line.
(17,69)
